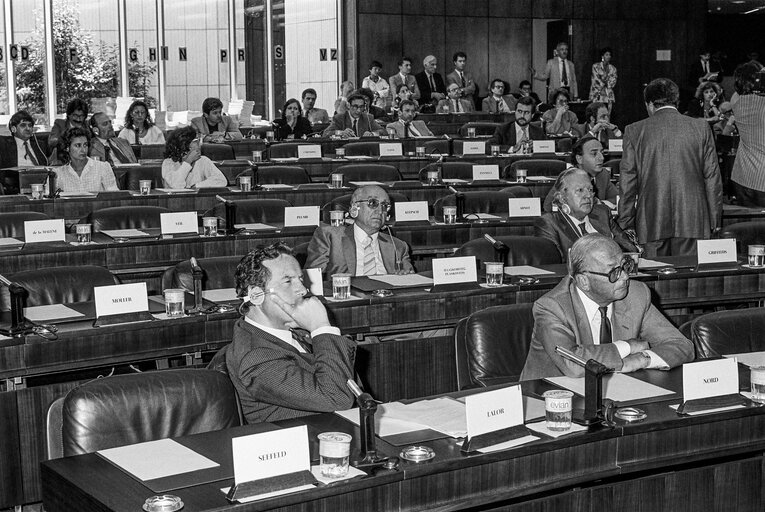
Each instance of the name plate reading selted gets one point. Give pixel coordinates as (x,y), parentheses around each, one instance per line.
(52,230)
(485,172)
(543,146)
(391,149)
(717,251)
(615,145)
(270,454)
(178,222)
(706,379)
(494,410)
(524,207)
(407,211)
(301,216)
(119,299)
(461,269)
(473,147)
(307,151)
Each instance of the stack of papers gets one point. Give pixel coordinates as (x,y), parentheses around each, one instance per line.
(749,359)
(404,280)
(124,233)
(526,270)
(156,459)
(616,386)
(49,312)
(444,415)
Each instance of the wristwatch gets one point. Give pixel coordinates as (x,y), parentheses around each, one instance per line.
(646,356)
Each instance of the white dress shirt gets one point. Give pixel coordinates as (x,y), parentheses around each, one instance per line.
(202,174)
(21,153)
(359,237)
(286,335)
(96,176)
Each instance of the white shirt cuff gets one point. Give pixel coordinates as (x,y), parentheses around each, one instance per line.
(623,347)
(656,361)
(326,330)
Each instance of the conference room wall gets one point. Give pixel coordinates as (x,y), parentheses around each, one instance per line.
(497,37)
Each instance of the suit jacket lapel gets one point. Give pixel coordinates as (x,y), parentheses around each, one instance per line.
(387,251)
(349,250)
(598,222)
(623,321)
(582,322)
(568,230)
(254,331)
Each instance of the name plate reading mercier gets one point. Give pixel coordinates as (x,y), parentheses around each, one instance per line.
(717,251)
(408,211)
(301,216)
(52,230)
(454,270)
(119,299)
(270,454)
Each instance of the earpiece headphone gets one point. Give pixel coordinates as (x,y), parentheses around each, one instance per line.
(354,211)
(256,296)
(565,208)
(13,129)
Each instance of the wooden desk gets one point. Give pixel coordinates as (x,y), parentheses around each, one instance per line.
(666,462)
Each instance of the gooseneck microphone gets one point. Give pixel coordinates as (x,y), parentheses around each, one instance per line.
(459,198)
(501,250)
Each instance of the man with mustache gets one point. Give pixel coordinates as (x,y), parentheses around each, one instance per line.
(514,135)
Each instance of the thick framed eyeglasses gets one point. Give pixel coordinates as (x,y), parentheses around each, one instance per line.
(374,203)
(613,275)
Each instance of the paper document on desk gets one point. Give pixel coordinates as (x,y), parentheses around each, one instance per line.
(526,270)
(403,280)
(616,386)
(749,359)
(508,444)
(10,242)
(445,415)
(124,233)
(68,195)
(49,312)
(484,216)
(156,459)
(387,422)
(220,295)
(539,178)
(277,186)
(255,226)
(645,264)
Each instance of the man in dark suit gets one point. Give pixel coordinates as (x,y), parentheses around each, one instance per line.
(407,126)
(21,148)
(704,70)
(430,83)
(106,145)
(514,134)
(462,78)
(285,359)
(354,123)
(671,190)
(598,313)
(361,249)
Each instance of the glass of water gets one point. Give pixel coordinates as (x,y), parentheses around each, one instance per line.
(175,299)
(558,409)
(450,214)
(341,286)
(494,273)
(83,233)
(334,454)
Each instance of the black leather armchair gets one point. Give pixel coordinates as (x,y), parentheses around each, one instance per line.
(745,233)
(284,150)
(125,217)
(59,285)
(285,174)
(728,332)
(362,148)
(368,172)
(613,165)
(218,272)
(218,151)
(126,409)
(491,345)
(450,170)
(438,147)
(12,223)
(517,191)
(482,128)
(535,167)
(251,211)
(524,250)
(133,175)
(489,201)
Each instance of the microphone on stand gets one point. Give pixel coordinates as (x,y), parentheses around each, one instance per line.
(501,250)
(460,200)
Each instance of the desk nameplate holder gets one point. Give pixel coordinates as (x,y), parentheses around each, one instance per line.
(479,442)
(122,318)
(246,490)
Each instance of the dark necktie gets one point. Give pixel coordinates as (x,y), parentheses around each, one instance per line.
(564,75)
(432,84)
(498,106)
(583,228)
(457,106)
(28,154)
(356,127)
(605,326)
(302,337)
(406,131)
(119,155)
(462,79)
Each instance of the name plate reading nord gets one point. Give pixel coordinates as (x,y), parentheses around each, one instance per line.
(119,299)
(524,207)
(391,149)
(485,172)
(473,147)
(52,230)
(461,269)
(308,151)
(717,251)
(411,211)
(494,410)
(178,222)
(543,146)
(301,216)
(270,454)
(710,378)
(615,145)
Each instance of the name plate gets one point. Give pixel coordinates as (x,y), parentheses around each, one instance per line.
(543,146)
(301,216)
(494,410)
(485,172)
(524,207)
(473,147)
(51,230)
(717,251)
(710,378)
(391,149)
(615,145)
(178,222)
(271,454)
(119,299)
(309,151)
(412,211)
(461,269)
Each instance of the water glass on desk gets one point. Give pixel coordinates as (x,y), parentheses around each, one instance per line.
(341,286)
(494,273)
(450,214)
(336,218)
(270,136)
(494,150)
(471,133)
(210,226)
(257,156)
(756,255)
(334,454)
(175,299)
(432,178)
(419,151)
(38,189)
(558,409)
(520,175)
(83,233)
(336,180)
(245,183)
(340,152)
(144,186)
(757,379)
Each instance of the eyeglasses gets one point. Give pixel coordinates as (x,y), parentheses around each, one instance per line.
(358,105)
(498,86)
(613,275)
(374,203)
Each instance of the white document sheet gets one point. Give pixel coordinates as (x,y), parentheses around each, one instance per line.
(365,183)
(444,415)
(509,444)
(277,186)
(487,216)
(539,178)
(124,233)
(10,242)
(386,423)
(220,295)
(750,359)
(616,386)
(179,190)
(156,459)
(403,280)
(526,270)
(69,195)
(49,312)
(645,264)
(256,226)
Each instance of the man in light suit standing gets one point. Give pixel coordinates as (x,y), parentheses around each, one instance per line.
(407,126)
(598,313)
(462,78)
(405,77)
(559,71)
(671,190)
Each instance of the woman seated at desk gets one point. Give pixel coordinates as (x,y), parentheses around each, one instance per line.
(559,120)
(80,173)
(138,122)
(184,166)
(292,124)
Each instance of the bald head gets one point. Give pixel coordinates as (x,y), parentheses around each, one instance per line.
(590,249)
(370,218)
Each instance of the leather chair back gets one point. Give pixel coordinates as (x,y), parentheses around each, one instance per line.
(450,170)
(524,250)
(481,128)
(126,409)
(745,233)
(368,172)
(344,203)
(491,345)
(488,201)
(365,148)
(285,174)
(218,151)
(564,145)
(535,167)
(59,285)
(133,175)
(150,151)
(729,332)
(517,191)
(218,272)
(438,147)
(251,211)
(284,149)
(613,165)
(12,223)
(126,217)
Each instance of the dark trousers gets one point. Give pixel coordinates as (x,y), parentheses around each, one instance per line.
(670,247)
(748,196)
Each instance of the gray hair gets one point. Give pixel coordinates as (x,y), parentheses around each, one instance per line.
(584,248)
(560,183)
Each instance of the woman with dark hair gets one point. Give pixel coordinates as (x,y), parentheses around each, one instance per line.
(748,173)
(80,173)
(76,114)
(138,122)
(604,79)
(292,124)
(706,105)
(184,166)
(559,120)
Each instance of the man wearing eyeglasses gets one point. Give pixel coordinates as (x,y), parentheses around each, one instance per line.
(361,249)
(498,102)
(598,313)
(354,123)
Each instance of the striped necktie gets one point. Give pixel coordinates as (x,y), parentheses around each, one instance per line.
(29,154)
(370,265)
